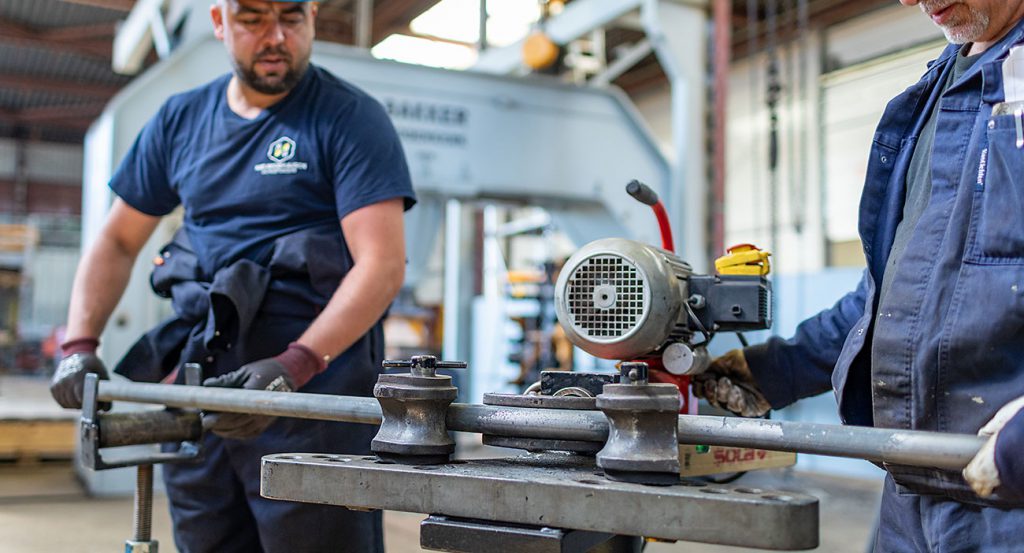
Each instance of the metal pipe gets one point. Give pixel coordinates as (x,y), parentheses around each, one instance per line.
(722,55)
(900,447)
(482,25)
(121,429)
(364,23)
(904,447)
(364,410)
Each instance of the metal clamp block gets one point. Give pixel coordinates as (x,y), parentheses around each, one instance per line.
(414,407)
(642,442)
(100,430)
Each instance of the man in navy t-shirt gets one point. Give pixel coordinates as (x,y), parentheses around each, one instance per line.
(293,185)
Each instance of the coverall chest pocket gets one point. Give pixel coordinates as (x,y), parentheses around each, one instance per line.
(999,197)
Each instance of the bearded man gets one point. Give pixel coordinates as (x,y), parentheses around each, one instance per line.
(293,184)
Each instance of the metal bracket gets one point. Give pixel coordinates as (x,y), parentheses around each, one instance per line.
(414,407)
(101,430)
(642,444)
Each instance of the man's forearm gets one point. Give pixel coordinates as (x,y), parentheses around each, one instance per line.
(100,281)
(355,307)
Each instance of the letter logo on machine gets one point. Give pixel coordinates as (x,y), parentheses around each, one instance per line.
(281,151)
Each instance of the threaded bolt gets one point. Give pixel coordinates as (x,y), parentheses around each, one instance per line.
(143,522)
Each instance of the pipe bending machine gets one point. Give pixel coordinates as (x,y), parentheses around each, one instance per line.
(601,468)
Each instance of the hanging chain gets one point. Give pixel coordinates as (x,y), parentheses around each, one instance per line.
(772,93)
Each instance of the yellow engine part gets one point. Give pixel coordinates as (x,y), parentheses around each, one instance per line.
(744,259)
(539,52)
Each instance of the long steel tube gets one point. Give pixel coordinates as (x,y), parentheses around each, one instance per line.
(904,447)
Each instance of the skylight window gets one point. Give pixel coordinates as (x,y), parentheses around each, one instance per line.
(423,51)
(457,21)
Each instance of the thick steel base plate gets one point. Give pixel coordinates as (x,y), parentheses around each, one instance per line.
(561,491)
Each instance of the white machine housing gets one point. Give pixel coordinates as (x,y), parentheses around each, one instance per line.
(622,299)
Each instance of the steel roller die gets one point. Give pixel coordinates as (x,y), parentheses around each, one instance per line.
(642,443)
(414,406)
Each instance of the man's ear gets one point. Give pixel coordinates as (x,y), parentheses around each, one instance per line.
(217,16)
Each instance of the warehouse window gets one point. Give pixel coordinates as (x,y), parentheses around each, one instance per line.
(447,34)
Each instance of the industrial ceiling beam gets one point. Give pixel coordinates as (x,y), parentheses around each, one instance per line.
(75,127)
(32,83)
(394,16)
(578,18)
(18,34)
(97,32)
(54,113)
(116,5)
(143,29)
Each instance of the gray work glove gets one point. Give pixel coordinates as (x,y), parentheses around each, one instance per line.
(728,384)
(266,374)
(69,379)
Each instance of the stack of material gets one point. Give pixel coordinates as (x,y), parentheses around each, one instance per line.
(32,426)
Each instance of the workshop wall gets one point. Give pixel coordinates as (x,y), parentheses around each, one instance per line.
(49,176)
(833,92)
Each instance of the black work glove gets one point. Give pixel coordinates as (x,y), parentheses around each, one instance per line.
(69,379)
(266,374)
(728,384)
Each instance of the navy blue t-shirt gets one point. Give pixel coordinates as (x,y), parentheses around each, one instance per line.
(324,151)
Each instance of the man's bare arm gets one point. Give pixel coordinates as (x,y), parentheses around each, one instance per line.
(105,268)
(376,238)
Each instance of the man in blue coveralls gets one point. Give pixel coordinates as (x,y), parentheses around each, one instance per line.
(933,337)
(293,184)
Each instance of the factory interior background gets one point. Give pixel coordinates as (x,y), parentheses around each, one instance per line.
(518,160)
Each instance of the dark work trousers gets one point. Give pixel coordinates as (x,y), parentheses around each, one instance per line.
(910,523)
(216,505)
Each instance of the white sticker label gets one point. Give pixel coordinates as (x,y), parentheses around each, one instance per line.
(983,167)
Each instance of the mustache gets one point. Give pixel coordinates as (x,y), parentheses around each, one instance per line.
(274,52)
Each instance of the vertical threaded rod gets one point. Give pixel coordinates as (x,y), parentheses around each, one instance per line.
(142,528)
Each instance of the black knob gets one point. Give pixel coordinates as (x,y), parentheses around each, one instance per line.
(641,192)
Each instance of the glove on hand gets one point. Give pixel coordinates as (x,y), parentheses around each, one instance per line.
(69,378)
(285,373)
(982,473)
(728,384)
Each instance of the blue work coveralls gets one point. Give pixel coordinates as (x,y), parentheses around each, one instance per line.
(949,346)
(245,313)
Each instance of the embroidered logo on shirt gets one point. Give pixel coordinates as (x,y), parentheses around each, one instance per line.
(280,152)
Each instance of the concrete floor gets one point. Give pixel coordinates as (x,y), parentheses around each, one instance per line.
(43,508)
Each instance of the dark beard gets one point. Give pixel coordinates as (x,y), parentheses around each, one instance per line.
(275,85)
